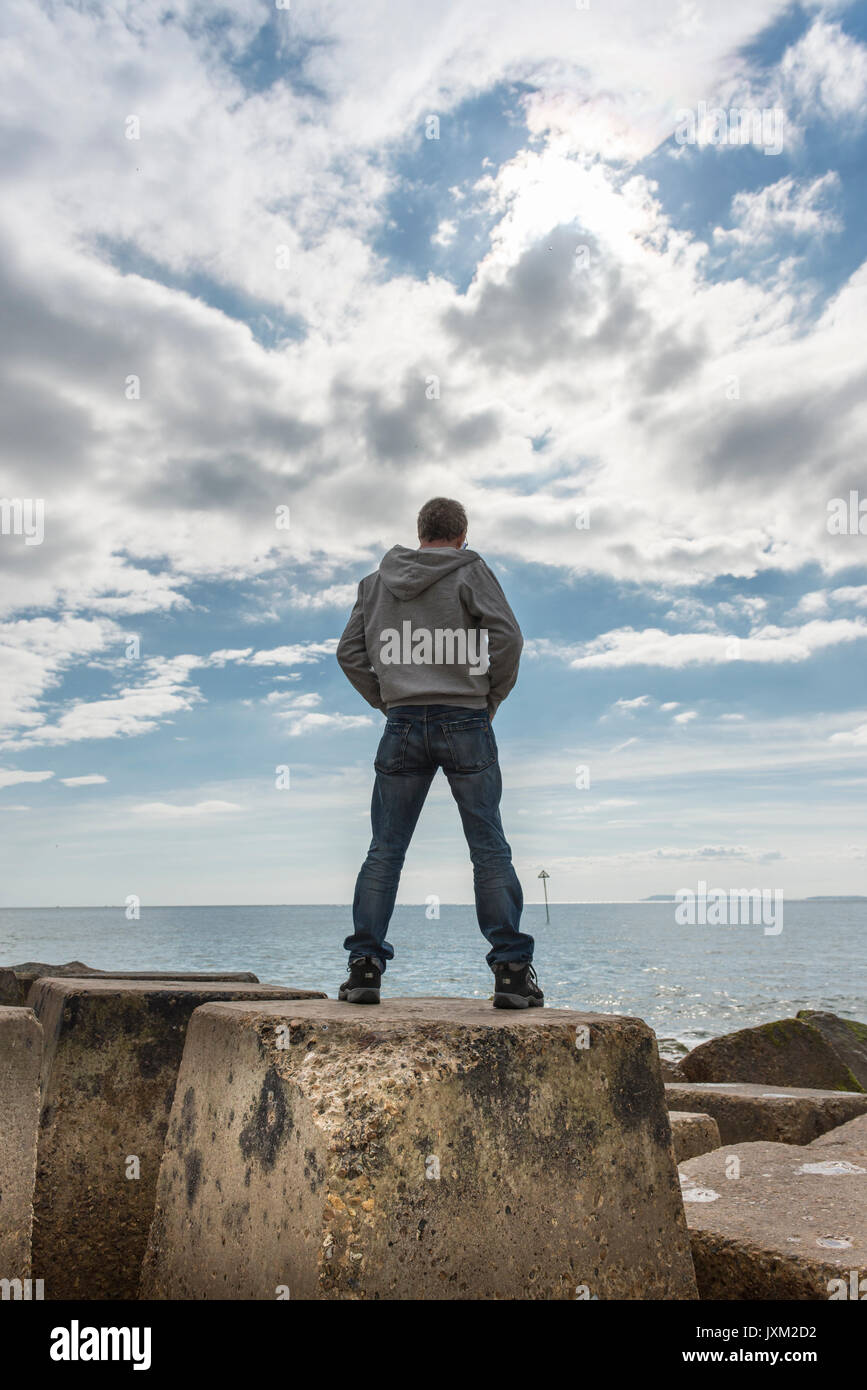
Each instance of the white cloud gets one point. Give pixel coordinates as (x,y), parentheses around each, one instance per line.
(786,207)
(627,743)
(445,233)
(716,852)
(323,420)
(820,600)
(298,709)
(827,69)
(135,710)
(653,647)
(164,810)
(35,653)
(315,723)
(814,602)
(299,654)
(221,658)
(335,596)
(90,780)
(290,702)
(699,855)
(851,593)
(12,778)
(857,736)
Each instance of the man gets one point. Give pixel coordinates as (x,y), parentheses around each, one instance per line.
(433,643)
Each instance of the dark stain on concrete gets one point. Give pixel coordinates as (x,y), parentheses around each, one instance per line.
(71,1011)
(193,1170)
(153,1056)
(187,1125)
(270,1123)
(636,1094)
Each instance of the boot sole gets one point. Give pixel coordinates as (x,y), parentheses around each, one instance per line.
(517,1001)
(359,996)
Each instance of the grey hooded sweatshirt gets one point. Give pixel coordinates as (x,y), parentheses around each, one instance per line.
(415,634)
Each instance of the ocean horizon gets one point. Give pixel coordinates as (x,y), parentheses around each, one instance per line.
(688,983)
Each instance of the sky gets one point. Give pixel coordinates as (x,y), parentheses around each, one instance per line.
(273,276)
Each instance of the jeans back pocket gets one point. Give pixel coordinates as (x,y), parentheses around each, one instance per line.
(471,743)
(392,746)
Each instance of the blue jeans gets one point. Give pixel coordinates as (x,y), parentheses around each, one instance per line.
(417,740)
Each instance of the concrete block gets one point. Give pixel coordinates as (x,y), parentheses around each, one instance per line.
(20,1059)
(693,1133)
(425,1149)
(112,1052)
(779,1114)
(16,981)
(788,1223)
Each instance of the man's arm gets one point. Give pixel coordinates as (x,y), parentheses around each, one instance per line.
(486,601)
(353,658)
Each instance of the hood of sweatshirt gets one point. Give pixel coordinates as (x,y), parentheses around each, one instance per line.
(407,573)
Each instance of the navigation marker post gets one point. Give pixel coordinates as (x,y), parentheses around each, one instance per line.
(544,877)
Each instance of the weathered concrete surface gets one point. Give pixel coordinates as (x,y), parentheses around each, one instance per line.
(779,1114)
(852,1137)
(112,1052)
(428,1148)
(775,1231)
(693,1133)
(847,1037)
(789,1052)
(16,981)
(20,1058)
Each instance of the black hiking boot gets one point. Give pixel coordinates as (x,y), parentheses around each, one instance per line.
(362,987)
(516,986)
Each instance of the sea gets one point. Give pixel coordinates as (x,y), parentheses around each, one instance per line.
(689,983)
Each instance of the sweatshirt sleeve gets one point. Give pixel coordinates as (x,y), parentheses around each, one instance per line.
(353,658)
(483,597)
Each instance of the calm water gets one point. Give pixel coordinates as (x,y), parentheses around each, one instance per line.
(688,983)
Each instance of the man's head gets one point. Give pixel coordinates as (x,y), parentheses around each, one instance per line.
(442,521)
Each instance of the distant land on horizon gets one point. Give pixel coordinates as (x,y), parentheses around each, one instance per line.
(814,898)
